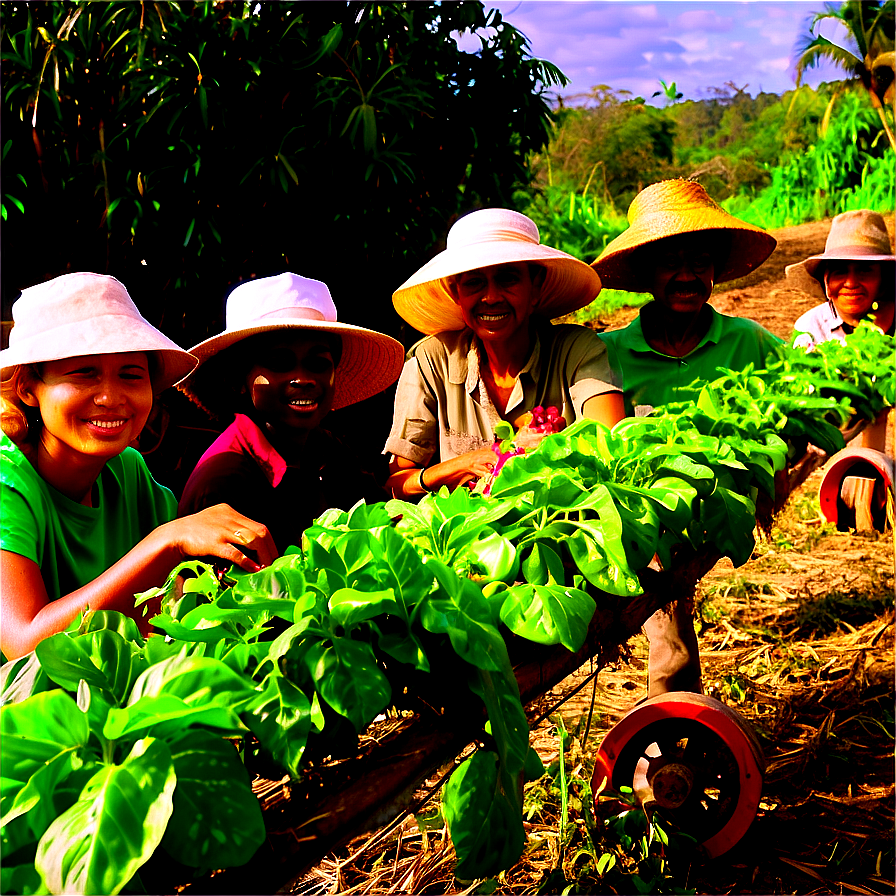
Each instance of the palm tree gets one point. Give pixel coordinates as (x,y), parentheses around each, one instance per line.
(870,26)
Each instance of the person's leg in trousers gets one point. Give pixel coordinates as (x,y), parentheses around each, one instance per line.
(673,662)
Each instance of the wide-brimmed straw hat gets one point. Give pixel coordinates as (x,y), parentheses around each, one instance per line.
(88,314)
(369,363)
(670,208)
(859,235)
(487,237)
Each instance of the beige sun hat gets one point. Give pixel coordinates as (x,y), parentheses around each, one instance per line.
(487,237)
(369,363)
(670,208)
(88,314)
(859,235)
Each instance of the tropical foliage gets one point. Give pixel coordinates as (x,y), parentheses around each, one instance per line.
(869,26)
(183,146)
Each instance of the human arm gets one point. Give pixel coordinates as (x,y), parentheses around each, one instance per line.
(27,615)
(607,408)
(404,478)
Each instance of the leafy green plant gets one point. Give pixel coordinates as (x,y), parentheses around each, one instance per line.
(845,169)
(120,752)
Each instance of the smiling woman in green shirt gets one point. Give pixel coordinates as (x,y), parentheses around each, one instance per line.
(84,525)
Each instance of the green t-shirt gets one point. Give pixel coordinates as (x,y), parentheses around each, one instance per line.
(650,379)
(73,544)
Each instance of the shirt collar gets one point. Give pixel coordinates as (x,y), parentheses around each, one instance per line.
(464,364)
(254,442)
(635,341)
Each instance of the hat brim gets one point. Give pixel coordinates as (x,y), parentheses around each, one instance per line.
(426,304)
(750,245)
(105,334)
(814,265)
(370,362)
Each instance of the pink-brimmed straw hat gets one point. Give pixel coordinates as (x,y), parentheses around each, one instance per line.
(673,207)
(487,237)
(88,314)
(859,235)
(369,363)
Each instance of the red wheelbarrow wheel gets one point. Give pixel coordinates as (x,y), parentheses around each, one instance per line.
(691,759)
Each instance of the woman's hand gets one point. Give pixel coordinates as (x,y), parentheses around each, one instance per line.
(221,531)
(468,467)
(404,480)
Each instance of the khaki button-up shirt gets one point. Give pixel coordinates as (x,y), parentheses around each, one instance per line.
(443,410)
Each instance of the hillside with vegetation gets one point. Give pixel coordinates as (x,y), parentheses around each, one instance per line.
(775,161)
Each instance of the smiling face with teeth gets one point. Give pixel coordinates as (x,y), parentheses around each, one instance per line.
(92,406)
(292,389)
(497,301)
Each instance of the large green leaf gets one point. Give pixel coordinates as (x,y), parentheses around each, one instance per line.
(217,819)
(101,658)
(484,820)
(98,844)
(459,610)
(165,712)
(198,681)
(23,879)
(33,733)
(548,614)
(347,676)
(729,519)
(280,717)
(21,678)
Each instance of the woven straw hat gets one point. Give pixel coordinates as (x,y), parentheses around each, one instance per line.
(369,363)
(670,208)
(88,314)
(487,237)
(860,235)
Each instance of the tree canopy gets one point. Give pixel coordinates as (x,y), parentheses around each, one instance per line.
(184,146)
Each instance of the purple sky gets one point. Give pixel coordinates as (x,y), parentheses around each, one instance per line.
(698,44)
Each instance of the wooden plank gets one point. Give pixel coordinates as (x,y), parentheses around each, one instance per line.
(335,802)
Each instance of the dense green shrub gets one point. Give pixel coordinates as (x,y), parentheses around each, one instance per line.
(184,146)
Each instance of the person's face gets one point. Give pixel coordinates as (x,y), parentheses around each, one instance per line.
(682,271)
(852,286)
(93,405)
(293,383)
(497,301)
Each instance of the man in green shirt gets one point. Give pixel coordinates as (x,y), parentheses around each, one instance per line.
(678,245)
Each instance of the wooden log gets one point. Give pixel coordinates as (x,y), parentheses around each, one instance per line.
(857,493)
(337,801)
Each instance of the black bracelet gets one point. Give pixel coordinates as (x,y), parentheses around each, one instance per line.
(423,485)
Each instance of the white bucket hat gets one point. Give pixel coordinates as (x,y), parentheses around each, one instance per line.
(88,314)
(369,363)
(859,235)
(487,237)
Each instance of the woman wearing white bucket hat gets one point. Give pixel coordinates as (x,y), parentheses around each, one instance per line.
(486,303)
(281,364)
(84,524)
(855,273)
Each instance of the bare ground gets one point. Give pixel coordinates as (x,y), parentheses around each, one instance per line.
(800,640)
